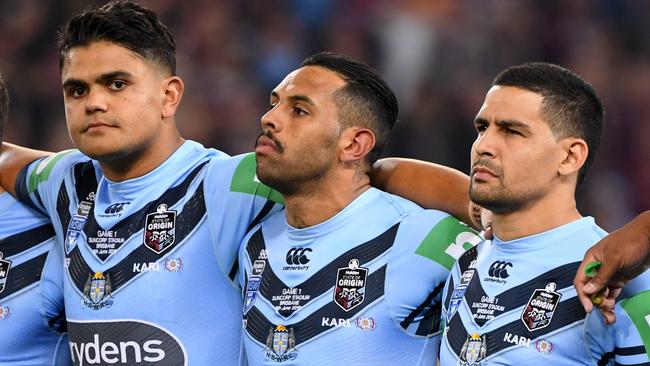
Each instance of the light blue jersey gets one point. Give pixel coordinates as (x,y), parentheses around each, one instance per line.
(32,319)
(362,288)
(149,263)
(513,303)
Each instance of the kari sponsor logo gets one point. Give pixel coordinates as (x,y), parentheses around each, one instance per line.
(146,267)
(335,322)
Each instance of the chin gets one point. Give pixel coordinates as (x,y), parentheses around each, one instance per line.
(486,199)
(101,153)
(278,181)
(497,202)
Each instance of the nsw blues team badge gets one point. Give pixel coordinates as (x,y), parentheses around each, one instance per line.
(77,223)
(159,229)
(97,291)
(253,285)
(350,289)
(4,272)
(539,311)
(459,293)
(281,344)
(473,351)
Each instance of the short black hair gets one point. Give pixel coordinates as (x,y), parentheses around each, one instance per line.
(569,104)
(124,23)
(365,100)
(4,106)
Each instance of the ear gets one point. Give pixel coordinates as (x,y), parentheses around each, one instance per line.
(576,151)
(357,143)
(172,91)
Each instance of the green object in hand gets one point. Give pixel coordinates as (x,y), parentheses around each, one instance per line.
(590,270)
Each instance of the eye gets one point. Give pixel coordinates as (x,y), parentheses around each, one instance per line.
(510,131)
(299,111)
(116,85)
(77,92)
(481,128)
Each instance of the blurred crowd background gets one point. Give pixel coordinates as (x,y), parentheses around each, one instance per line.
(439,56)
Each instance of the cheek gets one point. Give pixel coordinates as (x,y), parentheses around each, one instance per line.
(72,114)
(144,109)
(532,169)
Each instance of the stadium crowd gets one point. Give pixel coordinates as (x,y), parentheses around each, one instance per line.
(438,56)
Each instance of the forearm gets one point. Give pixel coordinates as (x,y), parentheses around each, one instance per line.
(13,159)
(642,224)
(429,185)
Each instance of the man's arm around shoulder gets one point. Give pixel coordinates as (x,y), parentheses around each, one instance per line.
(13,159)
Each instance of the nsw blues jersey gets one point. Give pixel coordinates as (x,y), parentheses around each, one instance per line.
(513,303)
(362,288)
(31,308)
(149,263)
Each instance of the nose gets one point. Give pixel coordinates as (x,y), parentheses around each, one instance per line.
(96,101)
(271,120)
(484,146)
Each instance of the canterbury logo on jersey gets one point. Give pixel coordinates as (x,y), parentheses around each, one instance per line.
(272,287)
(499,269)
(116,208)
(86,182)
(122,273)
(297,258)
(515,296)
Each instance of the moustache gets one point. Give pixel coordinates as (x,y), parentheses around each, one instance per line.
(269,135)
(487,164)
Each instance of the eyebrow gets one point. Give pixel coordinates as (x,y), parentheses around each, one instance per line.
(512,123)
(295,98)
(119,74)
(504,123)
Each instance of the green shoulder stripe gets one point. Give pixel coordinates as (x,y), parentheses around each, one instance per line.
(245,181)
(43,170)
(637,308)
(447,241)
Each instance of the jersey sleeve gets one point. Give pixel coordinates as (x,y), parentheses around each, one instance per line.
(52,306)
(38,183)
(235,201)
(426,249)
(626,342)
(243,259)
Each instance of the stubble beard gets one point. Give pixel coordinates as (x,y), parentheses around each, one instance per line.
(498,200)
(291,177)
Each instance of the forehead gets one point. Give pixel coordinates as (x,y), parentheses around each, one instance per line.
(99,58)
(311,81)
(512,103)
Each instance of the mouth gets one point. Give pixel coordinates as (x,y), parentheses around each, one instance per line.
(481,173)
(266,144)
(96,126)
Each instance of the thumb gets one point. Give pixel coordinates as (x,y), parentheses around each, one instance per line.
(599,281)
